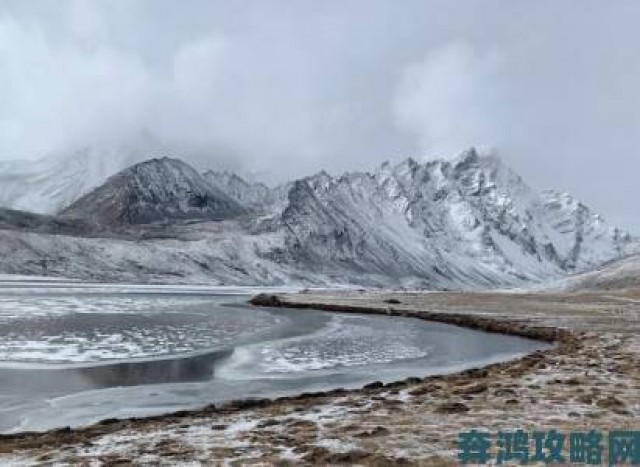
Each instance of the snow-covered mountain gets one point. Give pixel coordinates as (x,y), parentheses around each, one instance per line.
(467,223)
(157,190)
(470,221)
(582,238)
(256,196)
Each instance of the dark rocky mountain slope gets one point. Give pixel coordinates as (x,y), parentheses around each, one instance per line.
(158,190)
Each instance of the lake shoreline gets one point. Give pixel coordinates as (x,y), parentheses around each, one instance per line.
(452,398)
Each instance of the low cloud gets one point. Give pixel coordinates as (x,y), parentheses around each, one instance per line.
(451,100)
(283,89)
(57,95)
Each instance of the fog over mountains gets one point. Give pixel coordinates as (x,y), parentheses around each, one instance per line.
(462,224)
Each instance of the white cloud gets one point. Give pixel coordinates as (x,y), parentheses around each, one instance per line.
(449,100)
(287,88)
(56,94)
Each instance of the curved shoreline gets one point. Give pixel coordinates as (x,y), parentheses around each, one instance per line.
(566,340)
(589,380)
(492,325)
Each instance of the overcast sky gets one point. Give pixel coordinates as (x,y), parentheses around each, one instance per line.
(286,88)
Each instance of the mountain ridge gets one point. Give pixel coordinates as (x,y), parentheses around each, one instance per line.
(470,222)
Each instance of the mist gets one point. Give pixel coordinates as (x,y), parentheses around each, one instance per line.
(281,89)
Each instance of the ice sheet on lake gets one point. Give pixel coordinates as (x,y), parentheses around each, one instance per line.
(346,341)
(112,325)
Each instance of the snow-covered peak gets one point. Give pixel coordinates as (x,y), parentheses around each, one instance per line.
(152,191)
(562,201)
(466,158)
(473,219)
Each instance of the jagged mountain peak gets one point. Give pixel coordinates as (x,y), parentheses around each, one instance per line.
(321,180)
(466,222)
(563,199)
(466,158)
(155,190)
(409,163)
(565,204)
(472,218)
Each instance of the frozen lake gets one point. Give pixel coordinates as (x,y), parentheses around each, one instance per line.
(73,354)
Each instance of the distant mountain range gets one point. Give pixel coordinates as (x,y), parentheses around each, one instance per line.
(466,223)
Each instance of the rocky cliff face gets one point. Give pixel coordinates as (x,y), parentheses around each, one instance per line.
(158,190)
